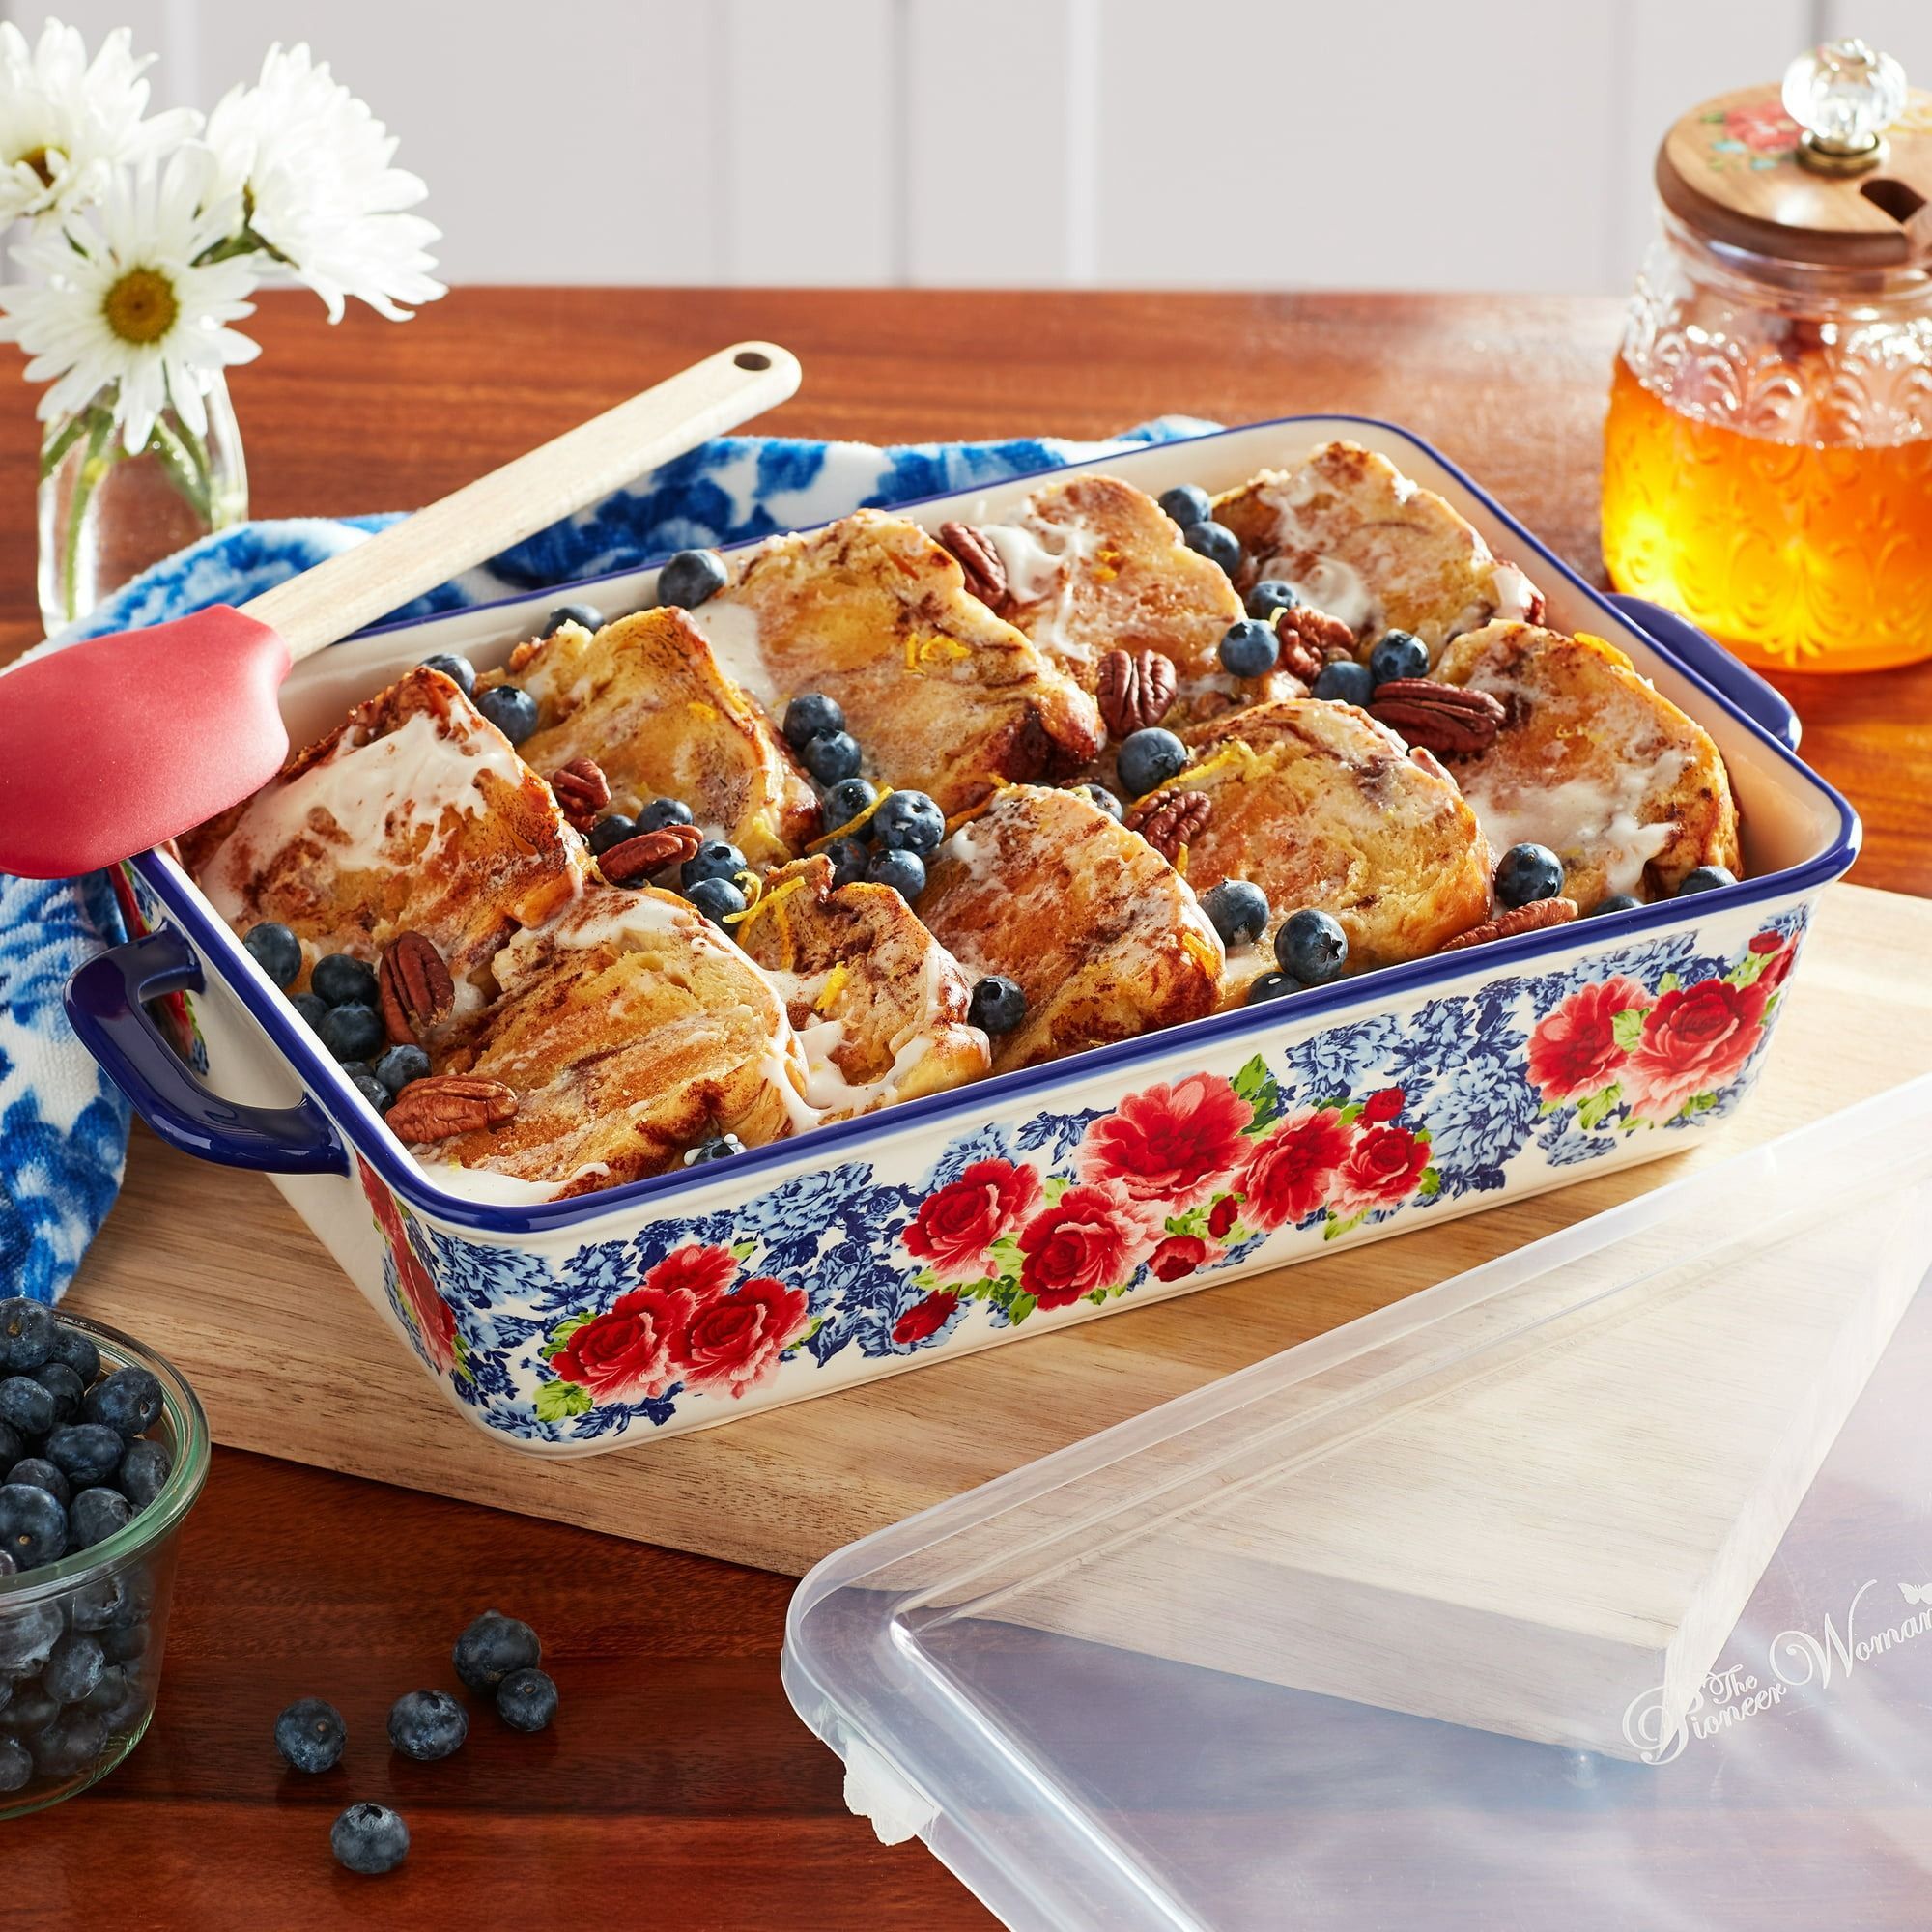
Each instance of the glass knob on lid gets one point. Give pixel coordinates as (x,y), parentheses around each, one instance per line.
(1843,95)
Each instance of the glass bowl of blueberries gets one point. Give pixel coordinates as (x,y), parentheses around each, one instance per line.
(104,1449)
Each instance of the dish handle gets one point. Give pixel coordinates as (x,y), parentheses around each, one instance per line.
(1762,703)
(104,1005)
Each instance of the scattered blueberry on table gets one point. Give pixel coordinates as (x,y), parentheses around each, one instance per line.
(691,578)
(998,1004)
(526,1700)
(1311,948)
(369,1838)
(1345,681)
(511,709)
(586,615)
(1237,909)
(459,671)
(1398,654)
(427,1724)
(1216,542)
(491,1646)
(1187,504)
(1526,873)
(310,1734)
(1250,648)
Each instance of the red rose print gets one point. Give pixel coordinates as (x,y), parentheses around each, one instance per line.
(924,1317)
(1169,1144)
(625,1355)
(1777,968)
(382,1201)
(1222,1216)
(1289,1172)
(1573,1049)
(734,1344)
(1383,1106)
(955,1227)
(1764,942)
(703,1272)
(1764,128)
(1091,1237)
(435,1323)
(1694,1040)
(1380,1169)
(1179,1256)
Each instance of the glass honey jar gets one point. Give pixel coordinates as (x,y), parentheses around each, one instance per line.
(1768,452)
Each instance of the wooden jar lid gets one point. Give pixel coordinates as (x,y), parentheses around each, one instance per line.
(1731,169)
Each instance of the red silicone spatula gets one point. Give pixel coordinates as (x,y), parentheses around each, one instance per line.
(112,746)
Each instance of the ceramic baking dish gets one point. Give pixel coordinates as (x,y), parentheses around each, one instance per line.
(1040,1198)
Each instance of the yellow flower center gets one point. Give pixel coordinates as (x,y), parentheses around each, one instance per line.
(141,307)
(36,159)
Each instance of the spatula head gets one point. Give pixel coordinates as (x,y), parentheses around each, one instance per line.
(115,744)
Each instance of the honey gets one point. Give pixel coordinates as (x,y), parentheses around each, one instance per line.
(1798,556)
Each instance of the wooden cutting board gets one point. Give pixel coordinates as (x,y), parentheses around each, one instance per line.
(209,1266)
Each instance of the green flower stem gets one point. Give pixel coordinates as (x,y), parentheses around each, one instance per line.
(57,445)
(93,467)
(185,463)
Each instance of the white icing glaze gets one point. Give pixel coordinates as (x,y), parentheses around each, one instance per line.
(776,1069)
(826,1085)
(1582,818)
(1336,586)
(1516,595)
(485,1184)
(975,845)
(1034,555)
(731,629)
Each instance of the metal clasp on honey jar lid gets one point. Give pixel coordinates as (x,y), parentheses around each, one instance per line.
(1843,95)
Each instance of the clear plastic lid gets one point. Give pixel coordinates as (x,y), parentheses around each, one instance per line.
(1589,1589)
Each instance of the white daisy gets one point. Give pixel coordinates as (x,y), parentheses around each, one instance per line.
(312,165)
(66,124)
(120,298)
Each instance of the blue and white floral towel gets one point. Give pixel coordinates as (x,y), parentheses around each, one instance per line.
(63,1124)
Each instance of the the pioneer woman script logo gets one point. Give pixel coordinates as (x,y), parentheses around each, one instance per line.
(1797,1660)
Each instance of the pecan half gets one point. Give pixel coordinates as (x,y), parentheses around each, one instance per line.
(649,852)
(442,1104)
(1446,719)
(413,988)
(1310,639)
(986,572)
(1508,922)
(581,791)
(1134,689)
(1170,819)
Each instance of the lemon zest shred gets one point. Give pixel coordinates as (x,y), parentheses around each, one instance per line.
(762,901)
(1237,751)
(698,705)
(851,825)
(834,984)
(1181,859)
(1201,953)
(978,810)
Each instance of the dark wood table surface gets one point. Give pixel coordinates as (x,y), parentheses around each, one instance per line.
(677,1788)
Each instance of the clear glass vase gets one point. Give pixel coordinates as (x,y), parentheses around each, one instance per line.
(106,514)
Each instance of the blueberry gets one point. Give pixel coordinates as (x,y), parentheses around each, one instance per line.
(125,1643)
(1345,681)
(1270,986)
(1268,596)
(663,811)
(998,1004)
(848,861)
(96,1515)
(111,1690)
(37,1473)
(25,1406)
(32,1709)
(586,615)
(310,1734)
(830,756)
(1237,909)
(362,1077)
(526,1700)
(903,871)
(1526,873)
(97,1607)
(275,950)
(716,898)
(713,860)
(492,1647)
(369,1838)
(808,714)
(143,1471)
(309,1009)
(1149,757)
(16,1766)
(74,1670)
(846,800)
(909,822)
(1187,504)
(457,669)
(1705,879)
(344,981)
(12,1445)
(612,830)
(511,709)
(85,1452)
(1311,948)
(691,578)
(1098,794)
(1615,903)
(128,1401)
(26,1333)
(1216,542)
(1398,654)
(719,1147)
(353,1032)
(1249,649)
(33,1530)
(427,1724)
(401,1065)
(76,1350)
(65,1386)
(69,1744)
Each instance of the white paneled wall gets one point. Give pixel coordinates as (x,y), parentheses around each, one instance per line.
(1483,144)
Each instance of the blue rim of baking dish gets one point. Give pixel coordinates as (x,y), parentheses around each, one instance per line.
(325,1078)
